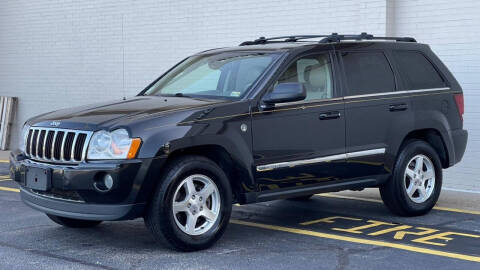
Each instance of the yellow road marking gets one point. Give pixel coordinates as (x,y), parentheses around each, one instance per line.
(4,161)
(10,189)
(358,240)
(464,211)
(4,176)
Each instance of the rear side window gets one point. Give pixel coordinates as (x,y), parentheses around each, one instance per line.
(368,73)
(417,71)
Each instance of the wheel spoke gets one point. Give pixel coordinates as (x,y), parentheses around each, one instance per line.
(191,222)
(429,174)
(208,214)
(410,173)
(419,164)
(189,187)
(411,189)
(422,192)
(207,190)
(180,207)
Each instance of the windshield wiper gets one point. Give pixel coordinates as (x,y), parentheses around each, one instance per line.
(181,95)
(174,95)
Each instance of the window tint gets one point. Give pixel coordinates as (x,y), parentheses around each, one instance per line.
(417,71)
(314,72)
(368,72)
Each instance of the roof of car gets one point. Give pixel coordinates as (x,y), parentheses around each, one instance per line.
(280,46)
(295,41)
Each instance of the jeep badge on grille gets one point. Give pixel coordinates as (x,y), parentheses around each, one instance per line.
(55,123)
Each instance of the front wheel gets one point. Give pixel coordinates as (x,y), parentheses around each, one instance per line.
(416,181)
(74,223)
(191,207)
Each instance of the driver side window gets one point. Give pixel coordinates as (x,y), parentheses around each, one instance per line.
(314,72)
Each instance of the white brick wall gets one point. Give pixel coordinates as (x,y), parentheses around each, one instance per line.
(56,54)
(452,30)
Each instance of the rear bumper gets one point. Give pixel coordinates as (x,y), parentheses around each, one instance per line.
(459,139)
(71,192)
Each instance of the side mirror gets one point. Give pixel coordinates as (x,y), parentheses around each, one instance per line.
(286,92)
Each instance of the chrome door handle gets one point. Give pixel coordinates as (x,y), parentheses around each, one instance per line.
(398,107)
(329,115)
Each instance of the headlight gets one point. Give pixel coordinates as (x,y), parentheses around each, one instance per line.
(23,138)
(113,145)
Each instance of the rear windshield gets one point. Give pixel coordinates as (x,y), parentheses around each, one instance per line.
(417,72)
(225,75)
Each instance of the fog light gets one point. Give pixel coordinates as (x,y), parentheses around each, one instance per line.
(103,182)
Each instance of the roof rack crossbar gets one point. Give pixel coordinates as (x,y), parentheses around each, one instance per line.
(334,37)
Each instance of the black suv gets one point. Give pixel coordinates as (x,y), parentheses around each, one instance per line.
(273,118)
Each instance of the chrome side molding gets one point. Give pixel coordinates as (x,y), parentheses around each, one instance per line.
(290,164)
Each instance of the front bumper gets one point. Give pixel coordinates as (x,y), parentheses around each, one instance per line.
(71,192)
(76,210)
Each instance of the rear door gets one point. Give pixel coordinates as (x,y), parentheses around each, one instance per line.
(376,113)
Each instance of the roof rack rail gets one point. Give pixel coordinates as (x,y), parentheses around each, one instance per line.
(334,37)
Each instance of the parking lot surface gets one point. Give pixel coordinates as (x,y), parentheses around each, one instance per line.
(347,230)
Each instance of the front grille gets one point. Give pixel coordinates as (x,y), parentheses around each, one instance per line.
(57,145)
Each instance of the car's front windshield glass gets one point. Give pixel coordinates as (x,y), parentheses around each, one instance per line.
(222,75)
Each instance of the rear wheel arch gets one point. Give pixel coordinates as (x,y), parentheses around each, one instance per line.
(432,137)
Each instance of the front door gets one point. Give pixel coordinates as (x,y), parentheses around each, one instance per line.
(301,143)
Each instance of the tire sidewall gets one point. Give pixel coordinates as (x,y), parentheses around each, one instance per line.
(164,205)
(412,149)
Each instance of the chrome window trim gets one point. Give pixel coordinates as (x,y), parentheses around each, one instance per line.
(398,92)
(290,164)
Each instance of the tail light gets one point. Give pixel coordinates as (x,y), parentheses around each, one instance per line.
(460,105)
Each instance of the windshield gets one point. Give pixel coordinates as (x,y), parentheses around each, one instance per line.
(225,75)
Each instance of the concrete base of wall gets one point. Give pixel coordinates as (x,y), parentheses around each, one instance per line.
(4,155)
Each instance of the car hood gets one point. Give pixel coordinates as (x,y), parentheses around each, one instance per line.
(89,117)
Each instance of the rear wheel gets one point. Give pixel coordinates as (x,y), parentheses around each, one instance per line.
(416,181)
(192,204)
(74,223)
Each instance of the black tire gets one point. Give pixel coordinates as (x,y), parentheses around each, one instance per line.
(301,198)
(394,193)
(159,218)
(74,223)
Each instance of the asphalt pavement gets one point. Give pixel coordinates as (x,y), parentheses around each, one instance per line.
(346,230)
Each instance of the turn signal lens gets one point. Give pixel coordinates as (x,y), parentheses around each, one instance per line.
(132,152)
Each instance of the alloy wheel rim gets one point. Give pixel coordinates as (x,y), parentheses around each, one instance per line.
(196,204)
(419,178)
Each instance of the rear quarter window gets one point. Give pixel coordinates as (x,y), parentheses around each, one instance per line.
(417,71)
(368,73)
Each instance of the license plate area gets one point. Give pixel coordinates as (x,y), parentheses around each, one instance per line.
(38,178)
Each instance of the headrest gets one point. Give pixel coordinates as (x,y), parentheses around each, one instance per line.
(316,75)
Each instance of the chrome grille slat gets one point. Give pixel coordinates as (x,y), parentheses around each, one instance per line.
(62,158)
(44,143)
(72,151)
(37,146)
(53,144)
(38,150)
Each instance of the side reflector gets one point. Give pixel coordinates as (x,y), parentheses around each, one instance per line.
(132,153)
